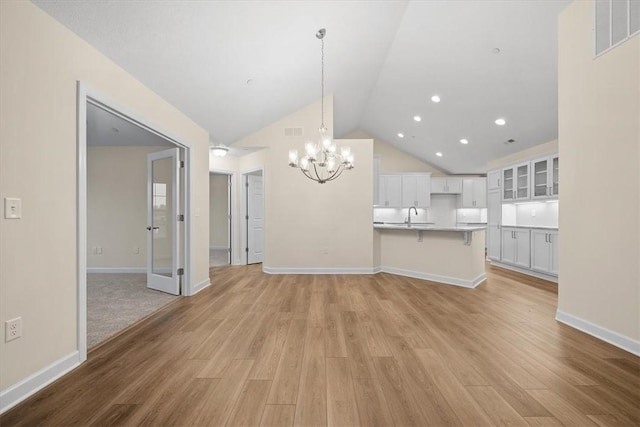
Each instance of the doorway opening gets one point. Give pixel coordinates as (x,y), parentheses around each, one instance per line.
(253,209)
(133,219)
(220,225)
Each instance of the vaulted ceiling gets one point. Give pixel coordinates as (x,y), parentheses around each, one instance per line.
(236,66)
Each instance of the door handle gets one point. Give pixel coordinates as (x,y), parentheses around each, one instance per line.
(153,228)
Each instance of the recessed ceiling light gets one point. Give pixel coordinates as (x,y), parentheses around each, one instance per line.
(400,135)
(464,141)
(417,118)
(501,122)
(496,50)
(439,154)
(435,98)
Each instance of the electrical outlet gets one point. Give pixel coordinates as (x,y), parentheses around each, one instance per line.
(136,250)
(99,250)
(533,212)
(12,329)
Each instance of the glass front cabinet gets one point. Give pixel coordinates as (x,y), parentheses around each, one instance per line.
(515,182)
(544,178)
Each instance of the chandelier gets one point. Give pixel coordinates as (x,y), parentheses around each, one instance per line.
(321,161)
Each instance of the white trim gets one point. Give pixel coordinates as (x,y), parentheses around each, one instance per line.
(526,271)
(604,334)
(218,247)
(436,278)
(33,383)
(200,286)
(87,94)
(108,270)
(305,270)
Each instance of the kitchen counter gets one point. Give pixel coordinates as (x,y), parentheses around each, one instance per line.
(450,255)
(538,227)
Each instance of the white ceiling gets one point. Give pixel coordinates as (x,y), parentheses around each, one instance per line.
(107,130)
(384,60)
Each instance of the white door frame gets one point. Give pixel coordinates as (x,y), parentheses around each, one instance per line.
(232,211)
(243,222)
(86,94)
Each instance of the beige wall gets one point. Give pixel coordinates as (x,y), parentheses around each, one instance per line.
(539,150)
(394,160)
(117,206)
(41,63)
(218,221)
(302,217)
(599,134)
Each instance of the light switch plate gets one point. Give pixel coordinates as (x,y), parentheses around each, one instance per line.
(12,208)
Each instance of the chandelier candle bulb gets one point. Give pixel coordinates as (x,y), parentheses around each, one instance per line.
(293,157)
(304,164)
(311,150)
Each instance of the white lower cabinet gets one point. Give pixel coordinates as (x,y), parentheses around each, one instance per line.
(494,217)
(544,251)
(515,246)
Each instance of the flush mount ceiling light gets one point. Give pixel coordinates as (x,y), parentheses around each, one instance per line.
(501,122)
(439,154)
(417,118)
(321,163)
(435,98)
(464,141)
(400,135)
(219,150)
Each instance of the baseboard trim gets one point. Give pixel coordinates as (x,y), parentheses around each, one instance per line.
(36,382)
(436,278)
(526,271)
(604,334)
(288,270)
(200,286)
(116,269)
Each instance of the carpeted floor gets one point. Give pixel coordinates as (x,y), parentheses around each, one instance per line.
(218,257)
(115,301)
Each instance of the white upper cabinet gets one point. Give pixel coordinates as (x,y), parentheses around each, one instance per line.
(493,180)
(442,185)
(474,193)
(390,191)
(515,182)
(544,177)
(416,190)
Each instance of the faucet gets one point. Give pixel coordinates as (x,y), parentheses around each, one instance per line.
(409,218)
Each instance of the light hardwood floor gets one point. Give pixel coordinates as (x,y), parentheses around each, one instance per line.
(340,350)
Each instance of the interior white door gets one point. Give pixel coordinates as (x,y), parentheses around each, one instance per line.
(229,224)
(162,219)
(255,220)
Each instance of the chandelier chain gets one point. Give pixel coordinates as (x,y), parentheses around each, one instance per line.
(322,86)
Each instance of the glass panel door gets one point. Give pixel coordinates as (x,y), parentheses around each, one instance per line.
(540,174)
(555,189)
(508,184)
(162,217)
(523,182)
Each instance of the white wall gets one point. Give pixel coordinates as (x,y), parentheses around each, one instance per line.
(599,134)
(41,64)
(117,206)
(218,211)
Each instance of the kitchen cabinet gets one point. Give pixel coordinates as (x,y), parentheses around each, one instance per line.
(544,177)
(390,191)
(516,246)
(441,185)
(474,193)
(515,182)
(544,251)
(416,190)
(494,217)
(493,180)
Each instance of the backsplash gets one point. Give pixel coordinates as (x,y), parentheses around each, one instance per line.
(443,212)
(543,214)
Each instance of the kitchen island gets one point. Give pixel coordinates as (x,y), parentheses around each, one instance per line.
(451,255)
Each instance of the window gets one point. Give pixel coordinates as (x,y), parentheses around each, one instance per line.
(615,22)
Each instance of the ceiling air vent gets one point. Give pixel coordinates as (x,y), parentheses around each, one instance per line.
(615,22)
(292,131)
(509,141)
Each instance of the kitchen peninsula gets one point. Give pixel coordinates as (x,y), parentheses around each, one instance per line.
(452,255)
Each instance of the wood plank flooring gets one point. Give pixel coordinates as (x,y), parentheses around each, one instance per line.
(342,350)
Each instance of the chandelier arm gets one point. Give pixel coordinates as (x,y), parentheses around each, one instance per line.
(307,174)
(336,174)
(315,169)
